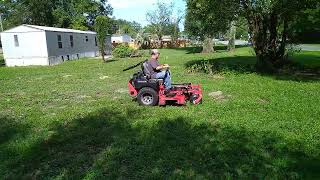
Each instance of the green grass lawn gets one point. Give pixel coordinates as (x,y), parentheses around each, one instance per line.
(76,120)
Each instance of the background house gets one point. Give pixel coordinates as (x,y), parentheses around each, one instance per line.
(124,38)
(39,45)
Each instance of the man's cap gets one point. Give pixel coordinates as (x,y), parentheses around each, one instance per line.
(154,51)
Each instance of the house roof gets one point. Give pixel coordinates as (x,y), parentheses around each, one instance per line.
(53,29)
(45,28)
(120,35)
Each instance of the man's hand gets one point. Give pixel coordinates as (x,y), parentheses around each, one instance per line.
(166,66)
(163,67)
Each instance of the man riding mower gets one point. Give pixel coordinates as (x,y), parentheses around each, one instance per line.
(152,85)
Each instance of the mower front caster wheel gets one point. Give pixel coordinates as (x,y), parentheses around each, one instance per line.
(193,99)
(148,97)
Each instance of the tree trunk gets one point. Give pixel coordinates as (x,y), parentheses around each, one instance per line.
(160,41)
(207,45)
(268,43)
(232,36)
(102,54)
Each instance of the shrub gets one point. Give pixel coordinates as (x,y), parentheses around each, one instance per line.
(122,51)
(210,67)
(1,60)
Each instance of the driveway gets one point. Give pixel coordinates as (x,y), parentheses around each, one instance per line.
(310,47)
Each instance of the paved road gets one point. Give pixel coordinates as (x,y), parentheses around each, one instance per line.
(304,47)
(310,47)
(237,42)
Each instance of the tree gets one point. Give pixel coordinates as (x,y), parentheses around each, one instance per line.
(269,24)
(127,27)
(232,36)
(207,18)
(80,14)
(77,14)
(306,26)
(102,26)
(160,18)
(176,30)
(242,31)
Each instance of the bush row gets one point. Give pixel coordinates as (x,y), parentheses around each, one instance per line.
(123,51)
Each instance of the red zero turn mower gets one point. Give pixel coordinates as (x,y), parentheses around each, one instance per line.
(151,92)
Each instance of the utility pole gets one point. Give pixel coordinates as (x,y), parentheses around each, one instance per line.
(1,22)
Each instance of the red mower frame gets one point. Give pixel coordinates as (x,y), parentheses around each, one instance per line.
(182,94)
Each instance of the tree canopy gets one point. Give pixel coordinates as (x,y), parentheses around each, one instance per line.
(77,14)
(126,27)
(270,23)
(103,25)
(163,20)
(306,26)
(207,18)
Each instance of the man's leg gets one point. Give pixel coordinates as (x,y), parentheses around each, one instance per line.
(167,80)
(160,75)
(165,75)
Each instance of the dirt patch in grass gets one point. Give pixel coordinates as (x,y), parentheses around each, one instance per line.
(263,101)
(219,96)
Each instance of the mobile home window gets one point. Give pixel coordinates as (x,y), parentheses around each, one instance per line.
(71,41)
(95,40)
(87,39)
(16,41)
(59,41)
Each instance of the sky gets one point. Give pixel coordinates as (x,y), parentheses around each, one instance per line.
(135,10)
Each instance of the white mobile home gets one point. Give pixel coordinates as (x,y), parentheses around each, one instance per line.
(39,45)
(125,38)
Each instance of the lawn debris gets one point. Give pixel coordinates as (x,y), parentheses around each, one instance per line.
(218,77)
(104,77)
(122,91)
(219,96)
(83,97)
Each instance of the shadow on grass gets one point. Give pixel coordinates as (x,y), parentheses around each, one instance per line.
(296,71)
(111,61)
(111,144)
(10,129)
(195,50)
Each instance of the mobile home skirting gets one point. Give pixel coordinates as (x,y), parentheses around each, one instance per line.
(54,60)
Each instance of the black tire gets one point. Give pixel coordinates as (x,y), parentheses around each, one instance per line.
(148,97)
(193,98)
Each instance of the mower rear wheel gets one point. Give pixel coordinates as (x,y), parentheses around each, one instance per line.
(148,97)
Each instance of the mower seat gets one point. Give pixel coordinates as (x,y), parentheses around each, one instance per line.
(143,79)
(147,73)
(145,70)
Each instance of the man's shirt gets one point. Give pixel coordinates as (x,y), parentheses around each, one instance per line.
(153,64)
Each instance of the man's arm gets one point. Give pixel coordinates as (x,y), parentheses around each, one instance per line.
(162,67)
(156,66)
